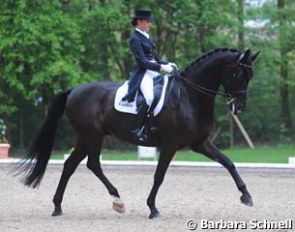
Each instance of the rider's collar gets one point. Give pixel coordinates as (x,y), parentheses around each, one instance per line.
(143,32)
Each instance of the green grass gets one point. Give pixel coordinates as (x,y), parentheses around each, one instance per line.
(278,154)
(275,154)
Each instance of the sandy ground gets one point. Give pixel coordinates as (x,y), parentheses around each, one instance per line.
(187,193)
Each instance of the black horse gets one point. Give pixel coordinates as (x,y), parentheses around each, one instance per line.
(90,110)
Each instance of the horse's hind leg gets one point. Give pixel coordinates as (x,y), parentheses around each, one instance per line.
(93,163)
(208,149)
(70,166)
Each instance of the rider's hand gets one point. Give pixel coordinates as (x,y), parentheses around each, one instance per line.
(173,65)
(166,68)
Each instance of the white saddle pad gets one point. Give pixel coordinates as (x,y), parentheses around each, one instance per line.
(130,107)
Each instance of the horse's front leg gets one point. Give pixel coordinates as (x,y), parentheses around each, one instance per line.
(164,160)
(208,149)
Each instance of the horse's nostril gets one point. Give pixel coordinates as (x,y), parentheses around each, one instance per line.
(240,109)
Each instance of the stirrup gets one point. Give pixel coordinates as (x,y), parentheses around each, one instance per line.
(140,134)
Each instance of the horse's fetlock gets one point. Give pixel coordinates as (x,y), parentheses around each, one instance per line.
(114,192)
(243,189)
(56,201)
(150,203)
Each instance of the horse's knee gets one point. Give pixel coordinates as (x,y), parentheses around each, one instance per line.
(94,166)
(91,165)
(68,167)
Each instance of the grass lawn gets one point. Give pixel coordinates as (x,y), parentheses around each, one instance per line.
(275,154)
(279,154)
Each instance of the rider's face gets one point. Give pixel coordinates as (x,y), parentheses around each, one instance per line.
(144,24)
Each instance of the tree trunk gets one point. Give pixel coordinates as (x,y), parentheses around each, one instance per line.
(284,87)
(202,30)
(170,37)
(21,128)
(241,42)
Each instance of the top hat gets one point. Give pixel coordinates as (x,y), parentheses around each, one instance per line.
(143,14)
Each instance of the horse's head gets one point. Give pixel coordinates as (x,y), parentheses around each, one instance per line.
(235,80)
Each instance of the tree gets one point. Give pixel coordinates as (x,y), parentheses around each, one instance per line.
(40,48)
(265,33)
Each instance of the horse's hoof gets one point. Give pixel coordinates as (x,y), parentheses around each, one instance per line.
(119,207)
(154,214)
(247,200)
(56,213)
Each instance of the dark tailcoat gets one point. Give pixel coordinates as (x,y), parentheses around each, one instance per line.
(144,52)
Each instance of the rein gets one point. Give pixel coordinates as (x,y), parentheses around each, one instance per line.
(203,90)
(210,92)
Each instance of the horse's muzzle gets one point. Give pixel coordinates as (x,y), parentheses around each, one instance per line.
(235,107)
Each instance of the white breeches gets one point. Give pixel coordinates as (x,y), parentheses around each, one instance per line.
(147,86)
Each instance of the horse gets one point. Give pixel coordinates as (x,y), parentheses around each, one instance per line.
(90,111)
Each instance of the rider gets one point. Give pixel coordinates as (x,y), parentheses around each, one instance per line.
(148,66)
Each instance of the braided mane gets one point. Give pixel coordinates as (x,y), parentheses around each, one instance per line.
(206,56)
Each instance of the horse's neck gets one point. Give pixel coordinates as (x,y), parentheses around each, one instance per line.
(202,96)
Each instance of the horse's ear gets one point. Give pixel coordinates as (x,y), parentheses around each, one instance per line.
(255,56)
(247,54)
(244,56)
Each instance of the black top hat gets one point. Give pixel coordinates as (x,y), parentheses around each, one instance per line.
(143,14)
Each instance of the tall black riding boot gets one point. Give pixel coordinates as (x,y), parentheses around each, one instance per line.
(141,132)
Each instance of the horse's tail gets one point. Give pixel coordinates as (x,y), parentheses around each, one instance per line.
(33,166)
